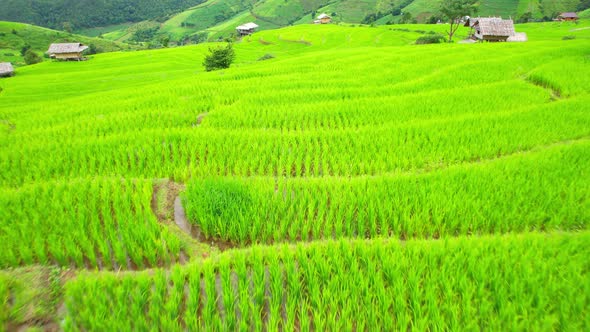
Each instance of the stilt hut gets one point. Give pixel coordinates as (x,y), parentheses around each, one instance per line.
(247,29)
(570,16)
(492,29)
(323,19)
(6,69)
(67,51)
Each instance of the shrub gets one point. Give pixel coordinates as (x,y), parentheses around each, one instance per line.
(219,57)
(24,50)
(431,39)
(32,58)
(267,56)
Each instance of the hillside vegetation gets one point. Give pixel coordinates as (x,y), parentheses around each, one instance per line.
(89,13)
(214,18)
(15,36)
(198,20)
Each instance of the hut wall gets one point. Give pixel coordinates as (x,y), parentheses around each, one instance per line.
(65,56)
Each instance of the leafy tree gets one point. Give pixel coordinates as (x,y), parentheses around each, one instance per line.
(407,18)
(165,40)
(32,58)
(454,10)
(219,57)
(67,27)
(24,50)
(525,18)
(585,4)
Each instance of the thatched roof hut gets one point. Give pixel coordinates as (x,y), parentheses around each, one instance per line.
(569,16)
(323,18)
(491,28)
(6,69)
(67,51)
(247,29)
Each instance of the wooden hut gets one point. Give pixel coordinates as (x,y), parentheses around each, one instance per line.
(491,29)
(570,16)
(67,51)
(323,19)
(6,69)
(247,29)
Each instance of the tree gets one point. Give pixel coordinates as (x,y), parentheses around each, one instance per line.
(454,10)
(24,50)
(67,27)
(407,18)
(32,58)
(219,57)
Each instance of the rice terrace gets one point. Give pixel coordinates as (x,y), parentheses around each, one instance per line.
(269,165)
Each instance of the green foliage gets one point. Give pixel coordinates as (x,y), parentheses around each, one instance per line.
(144,35)
(267,56)
(32,58)
(431,39)
(24,49)
(454,10)
(70,14)
(219,57)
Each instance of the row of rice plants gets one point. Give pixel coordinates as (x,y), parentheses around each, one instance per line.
(368,151)
(543,190)
(517,282)
(94,223)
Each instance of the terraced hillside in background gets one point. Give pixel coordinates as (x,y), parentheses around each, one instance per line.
(216,18)
(15,36)
(352,180)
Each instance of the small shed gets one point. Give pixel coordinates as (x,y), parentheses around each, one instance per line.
(570,16)
(6,69)
(67,51)
(323,18)
(491,28)
(247,29)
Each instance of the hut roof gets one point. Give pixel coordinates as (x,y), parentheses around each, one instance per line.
(494,26)
(323,15)
(6,68)
(247,26)
(67,48)
(568,15)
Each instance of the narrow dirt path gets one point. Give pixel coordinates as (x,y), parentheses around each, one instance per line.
(167,206)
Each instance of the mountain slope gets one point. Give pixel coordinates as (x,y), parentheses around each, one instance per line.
(219,18)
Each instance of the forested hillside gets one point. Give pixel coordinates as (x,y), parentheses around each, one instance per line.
(189,16)
(88,13)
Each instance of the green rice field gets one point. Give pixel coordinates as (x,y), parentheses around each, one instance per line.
(355,181)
